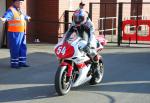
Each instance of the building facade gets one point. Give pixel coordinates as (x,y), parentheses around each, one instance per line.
(48,15)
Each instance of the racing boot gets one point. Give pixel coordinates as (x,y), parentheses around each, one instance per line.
(96,66)
(95,59)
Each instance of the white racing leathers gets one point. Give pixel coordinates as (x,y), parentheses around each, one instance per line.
(86,32)
(93,41)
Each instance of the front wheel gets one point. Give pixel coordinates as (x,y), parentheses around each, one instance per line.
(62,84)
(96,80)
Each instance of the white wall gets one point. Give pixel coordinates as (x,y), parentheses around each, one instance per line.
(2,10)
(145,10)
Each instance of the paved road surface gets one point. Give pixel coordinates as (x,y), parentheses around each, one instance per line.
(126,79)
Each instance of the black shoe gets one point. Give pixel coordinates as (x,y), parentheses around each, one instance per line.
(24,65)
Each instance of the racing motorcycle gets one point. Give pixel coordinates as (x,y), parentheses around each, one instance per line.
(75,66)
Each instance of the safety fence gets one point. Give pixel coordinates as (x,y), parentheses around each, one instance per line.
(112,29)
(110,18)
(123,22)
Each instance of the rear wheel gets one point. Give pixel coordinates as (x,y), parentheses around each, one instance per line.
(97,79)
(62,83)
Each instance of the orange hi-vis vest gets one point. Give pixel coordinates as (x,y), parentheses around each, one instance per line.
(18,23)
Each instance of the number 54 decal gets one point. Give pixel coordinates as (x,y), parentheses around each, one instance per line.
(61,50)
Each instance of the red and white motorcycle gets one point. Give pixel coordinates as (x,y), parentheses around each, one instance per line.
(76,67)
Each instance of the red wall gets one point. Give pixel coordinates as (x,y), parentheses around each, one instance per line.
(44,23)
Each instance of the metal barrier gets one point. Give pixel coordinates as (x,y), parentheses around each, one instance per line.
(135,35)
(112,29)
(110,25)
(100,14)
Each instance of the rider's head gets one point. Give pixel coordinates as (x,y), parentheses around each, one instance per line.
(79,17)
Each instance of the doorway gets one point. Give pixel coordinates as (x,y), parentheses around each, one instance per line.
(108,8)
(136,7)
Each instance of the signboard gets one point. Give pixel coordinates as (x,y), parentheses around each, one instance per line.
(138,30)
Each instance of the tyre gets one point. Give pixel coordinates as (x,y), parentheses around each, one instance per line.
(62,83)
(96,80)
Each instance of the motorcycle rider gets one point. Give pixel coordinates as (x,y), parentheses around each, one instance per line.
(82,23)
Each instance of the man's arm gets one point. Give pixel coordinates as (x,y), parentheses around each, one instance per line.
(91,25)
(28,18)
(69,32)
(3,19)
(91,31)
(7,16)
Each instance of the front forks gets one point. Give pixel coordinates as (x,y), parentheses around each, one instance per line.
(70,66)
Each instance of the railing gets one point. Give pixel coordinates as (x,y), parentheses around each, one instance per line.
(101,25)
